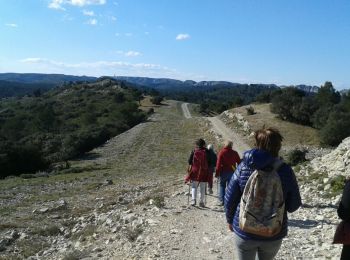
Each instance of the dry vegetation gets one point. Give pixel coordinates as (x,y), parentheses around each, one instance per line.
(293,133)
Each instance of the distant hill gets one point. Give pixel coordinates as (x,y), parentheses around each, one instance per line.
(10,89)
(36,131)
(308,89)
(55,79)
(167,84)
(21,84)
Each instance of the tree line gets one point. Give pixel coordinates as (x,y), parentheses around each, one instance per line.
(326,110)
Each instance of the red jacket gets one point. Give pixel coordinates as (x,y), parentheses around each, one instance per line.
(228,160)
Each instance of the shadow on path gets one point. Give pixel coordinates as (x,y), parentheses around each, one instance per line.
(304,224)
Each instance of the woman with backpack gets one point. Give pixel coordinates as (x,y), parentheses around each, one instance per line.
(198,171)
(257,230)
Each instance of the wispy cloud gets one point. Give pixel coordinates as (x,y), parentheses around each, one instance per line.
(88,13)
(129,53)
(98,68)
(182,36)
(13,25)
(128,34)
(58,4)
(92,21)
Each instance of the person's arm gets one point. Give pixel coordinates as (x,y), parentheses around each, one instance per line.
(232,197)
(293,198)
(190,159)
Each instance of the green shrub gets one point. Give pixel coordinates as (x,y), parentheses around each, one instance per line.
(159,201)
(296,156)
(250,110)
(337,184)
(157,100)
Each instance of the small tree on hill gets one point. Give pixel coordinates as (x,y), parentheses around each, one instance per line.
(157,100)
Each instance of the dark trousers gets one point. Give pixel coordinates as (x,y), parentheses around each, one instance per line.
(345,253)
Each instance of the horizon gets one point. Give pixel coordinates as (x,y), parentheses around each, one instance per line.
(298,43)
(116,76)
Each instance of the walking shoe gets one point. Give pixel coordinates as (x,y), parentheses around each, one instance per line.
(201,204)
(210,191)
(193,202)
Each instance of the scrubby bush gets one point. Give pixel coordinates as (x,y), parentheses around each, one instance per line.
(157,100)
(250,110)
(295,157)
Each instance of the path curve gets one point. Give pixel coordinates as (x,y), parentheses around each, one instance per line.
(228,134)
(185,110)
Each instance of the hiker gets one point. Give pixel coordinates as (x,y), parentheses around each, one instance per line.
(262,159)
(228,159)
(344,214)
(198,171)
(213,159)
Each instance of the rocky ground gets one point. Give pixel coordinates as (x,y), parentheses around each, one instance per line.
(129,202)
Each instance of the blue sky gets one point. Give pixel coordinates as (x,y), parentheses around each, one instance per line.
(281,42)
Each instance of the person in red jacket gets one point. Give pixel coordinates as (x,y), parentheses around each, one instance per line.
(228,159)
(199,162)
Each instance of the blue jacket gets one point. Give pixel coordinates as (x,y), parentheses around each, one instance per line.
(259,159)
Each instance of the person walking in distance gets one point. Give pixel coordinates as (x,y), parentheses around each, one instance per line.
(261,192)
(199,162)
(227,161)
(213,159)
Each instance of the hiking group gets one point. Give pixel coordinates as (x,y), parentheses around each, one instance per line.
(256,191)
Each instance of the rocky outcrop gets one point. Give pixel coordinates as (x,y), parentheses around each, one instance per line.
(336,162)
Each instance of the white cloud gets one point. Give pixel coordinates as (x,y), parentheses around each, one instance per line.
(128,34)
(129,53)
(58,4)
(182,36)
(132,54)
(13,25)
(88,13)
(113,18)
(117,34)
(92,21)
(97,68)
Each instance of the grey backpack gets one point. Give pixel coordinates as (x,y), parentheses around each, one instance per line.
(262,203)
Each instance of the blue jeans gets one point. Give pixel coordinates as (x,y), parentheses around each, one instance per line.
(224,181)
(256,249)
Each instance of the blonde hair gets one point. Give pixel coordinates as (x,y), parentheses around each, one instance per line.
(228,144)
(269,139)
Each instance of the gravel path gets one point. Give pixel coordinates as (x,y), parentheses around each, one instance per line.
(185,110)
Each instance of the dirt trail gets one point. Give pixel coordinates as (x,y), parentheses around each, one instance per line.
(238,143)
(185,110)
(181,231)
